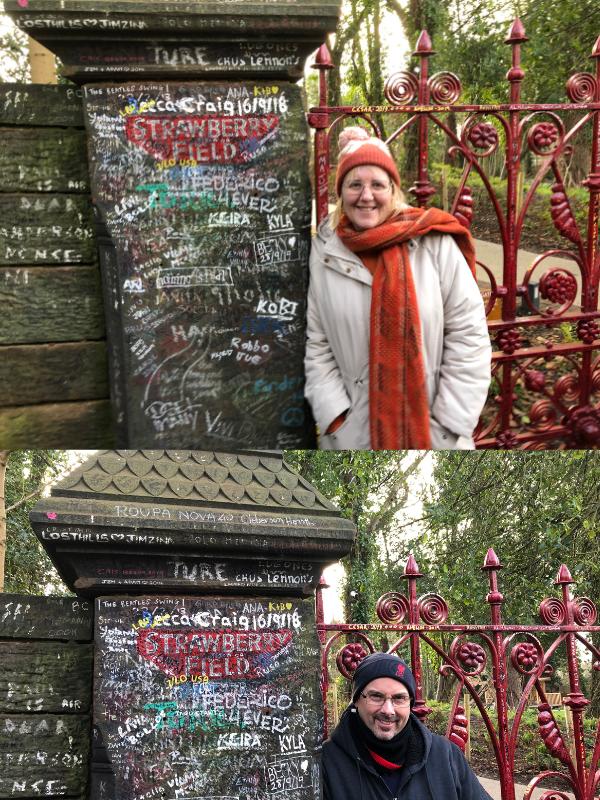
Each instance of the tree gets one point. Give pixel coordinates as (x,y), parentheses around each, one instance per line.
(28,473)
(537,510)
(370,488)
(14,64)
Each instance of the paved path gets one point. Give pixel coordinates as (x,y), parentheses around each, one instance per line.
(493,789)
(491,255)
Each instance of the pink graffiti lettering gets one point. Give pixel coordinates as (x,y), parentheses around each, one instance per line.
(200,138)
(216,654)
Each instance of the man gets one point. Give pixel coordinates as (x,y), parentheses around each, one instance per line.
(380,751)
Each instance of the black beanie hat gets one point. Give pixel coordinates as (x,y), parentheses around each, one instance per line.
(382,665)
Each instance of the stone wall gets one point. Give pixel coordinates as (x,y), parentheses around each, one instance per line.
(45,696)
(53,370)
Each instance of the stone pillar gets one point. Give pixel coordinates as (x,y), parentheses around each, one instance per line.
(45,696)
(203,567)
(199,156)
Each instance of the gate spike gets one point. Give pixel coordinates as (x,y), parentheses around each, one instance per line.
(564,576)
(423,46)
(491,560)
(412,568)
(516,34)
(596,49)
(323,58)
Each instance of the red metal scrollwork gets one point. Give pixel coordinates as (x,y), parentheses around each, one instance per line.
(526,312)
(412,621)
(392,607)
(349,658)
(550,733)
(583,425)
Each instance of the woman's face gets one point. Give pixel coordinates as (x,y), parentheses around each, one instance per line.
(367,197)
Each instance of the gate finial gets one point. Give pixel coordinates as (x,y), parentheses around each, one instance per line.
(491,560)
(412,568)
(323,58)
(516,34)
(423,46)
(564,576)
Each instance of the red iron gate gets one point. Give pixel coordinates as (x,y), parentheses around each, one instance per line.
(546,380)
(413,619)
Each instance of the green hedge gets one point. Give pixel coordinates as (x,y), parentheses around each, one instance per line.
(538,234)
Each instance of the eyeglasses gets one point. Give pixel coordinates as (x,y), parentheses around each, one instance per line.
(377,699)
(377,187)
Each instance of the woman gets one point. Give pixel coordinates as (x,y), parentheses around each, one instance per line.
(398,354)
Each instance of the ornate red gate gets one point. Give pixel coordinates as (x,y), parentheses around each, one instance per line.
(546,379)
(413,619)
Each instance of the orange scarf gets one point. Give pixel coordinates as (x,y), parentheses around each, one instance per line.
(398,406)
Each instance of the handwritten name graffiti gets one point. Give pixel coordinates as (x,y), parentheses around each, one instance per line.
(186,277)
(185,678)
(168,715)
(148,620)
(257,711)
(217,654)
(234,101)
(199,570)
(252,617)
(276,249)
(274,574)
(80,23)
(162,195)
(135,106)
(170,414)
(288,774)
(36,788)
(189,515)
(53,535)
(208,697)
(232,140)
(283,309)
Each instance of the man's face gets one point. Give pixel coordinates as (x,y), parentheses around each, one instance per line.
(385,720)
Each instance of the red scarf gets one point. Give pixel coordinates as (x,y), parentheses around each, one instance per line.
(383,761)
(398,407)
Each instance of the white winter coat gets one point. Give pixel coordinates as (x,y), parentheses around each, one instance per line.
(456,345)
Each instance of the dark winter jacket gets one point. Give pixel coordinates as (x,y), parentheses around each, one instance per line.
(441,773)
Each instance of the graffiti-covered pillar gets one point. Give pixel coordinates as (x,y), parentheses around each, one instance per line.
(203,568)
(199,161)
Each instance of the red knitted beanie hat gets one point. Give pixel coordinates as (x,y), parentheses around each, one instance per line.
(358,149)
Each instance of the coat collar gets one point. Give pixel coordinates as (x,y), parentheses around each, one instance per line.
(338,258)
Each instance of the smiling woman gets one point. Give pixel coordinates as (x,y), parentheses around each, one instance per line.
(398,354)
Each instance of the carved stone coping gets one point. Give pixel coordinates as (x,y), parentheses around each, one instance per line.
(112,39)
(180,520)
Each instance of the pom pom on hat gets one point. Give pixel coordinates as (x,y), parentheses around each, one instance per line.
(358,149)
(352,134)
(383,665)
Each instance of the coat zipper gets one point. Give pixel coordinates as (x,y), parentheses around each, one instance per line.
(360,761)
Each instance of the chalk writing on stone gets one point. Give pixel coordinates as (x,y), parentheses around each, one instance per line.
(217,691)
(204,193)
